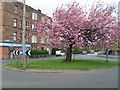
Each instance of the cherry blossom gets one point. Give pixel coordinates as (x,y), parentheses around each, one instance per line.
(72,26)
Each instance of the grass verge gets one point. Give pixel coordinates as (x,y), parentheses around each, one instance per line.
(59,65)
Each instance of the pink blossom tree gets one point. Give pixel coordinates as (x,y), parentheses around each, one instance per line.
(102,25)
(73,26)
(66,27)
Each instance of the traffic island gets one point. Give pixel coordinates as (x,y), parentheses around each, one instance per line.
(58,66)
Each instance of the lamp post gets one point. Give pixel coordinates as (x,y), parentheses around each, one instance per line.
(107,46)
(24,27)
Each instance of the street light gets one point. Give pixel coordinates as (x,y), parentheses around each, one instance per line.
(107,50)
(24,27)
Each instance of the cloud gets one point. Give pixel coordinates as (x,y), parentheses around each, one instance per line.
(48,6)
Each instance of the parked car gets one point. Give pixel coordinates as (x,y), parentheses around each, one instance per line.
(84,52)
(110,52)
(60,53)
(91,52)
(101,52)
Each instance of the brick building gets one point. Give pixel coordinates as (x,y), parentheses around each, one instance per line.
(11,16)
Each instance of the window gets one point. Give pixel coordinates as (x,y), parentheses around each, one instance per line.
(14,36)
(42,48)
(27,25)
(27,13)
(27,37)
(48,21)
(21,37)
(42,40)
(47,40)
(43,19)
(21,24)
(34,39)
(34,16)
(16,9)
(21,11)
(33,27)
(15,22)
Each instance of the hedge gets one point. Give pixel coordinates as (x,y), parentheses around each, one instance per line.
(54,51)
(77,51)
(39,53)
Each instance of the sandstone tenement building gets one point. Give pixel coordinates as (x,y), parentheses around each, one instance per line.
(11,28)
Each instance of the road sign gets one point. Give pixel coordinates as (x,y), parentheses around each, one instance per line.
(28,52)
(21,52)
(15,52)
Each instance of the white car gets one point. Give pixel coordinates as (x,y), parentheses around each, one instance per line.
(84,52)
(60,53)
(101,52)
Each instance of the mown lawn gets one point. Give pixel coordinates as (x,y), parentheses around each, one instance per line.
(60,65)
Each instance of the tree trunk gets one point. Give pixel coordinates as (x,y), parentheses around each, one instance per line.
(92,47)
(69,54)
(106,55)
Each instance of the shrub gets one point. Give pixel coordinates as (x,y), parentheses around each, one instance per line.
(77,51)
(96,50)
(43,52)
(39,53)
(35,52)
(88,51)
(54,51)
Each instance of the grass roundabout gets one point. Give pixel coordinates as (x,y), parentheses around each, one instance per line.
(60,65)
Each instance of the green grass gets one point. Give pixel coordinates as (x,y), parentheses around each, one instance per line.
(60,65)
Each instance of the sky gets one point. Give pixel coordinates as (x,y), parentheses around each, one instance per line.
(48,6)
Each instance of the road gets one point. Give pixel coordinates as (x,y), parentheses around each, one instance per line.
(107,78)
(94,57)
(77,56)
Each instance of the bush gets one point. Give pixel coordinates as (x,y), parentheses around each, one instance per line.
(88,51)
(43,52)
(118,52)
(77,51)
(54,51)
(96,50)
(39,53)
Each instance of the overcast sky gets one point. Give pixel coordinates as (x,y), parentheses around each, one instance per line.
(48,6)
